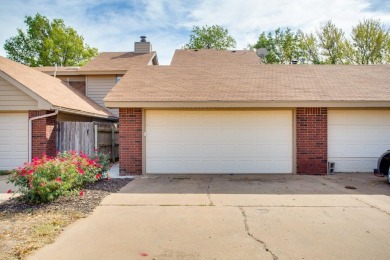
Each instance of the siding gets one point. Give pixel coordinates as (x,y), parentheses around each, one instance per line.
(98,87)
(11,98)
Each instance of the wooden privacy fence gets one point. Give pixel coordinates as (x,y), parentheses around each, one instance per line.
(88,137)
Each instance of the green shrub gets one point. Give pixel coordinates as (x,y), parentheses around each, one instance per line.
(44,179)
(104,161)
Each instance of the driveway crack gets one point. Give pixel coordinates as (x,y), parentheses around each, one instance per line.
(247,230)
(211,203)
(371,206)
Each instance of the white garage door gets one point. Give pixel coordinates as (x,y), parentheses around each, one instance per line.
(356,138)
(218,141)
(13,140)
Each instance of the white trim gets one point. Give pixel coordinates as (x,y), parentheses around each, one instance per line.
(246,104)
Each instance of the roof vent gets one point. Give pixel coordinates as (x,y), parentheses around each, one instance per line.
(142,46)
(294,61)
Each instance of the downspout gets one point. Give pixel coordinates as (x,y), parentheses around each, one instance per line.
(30,131)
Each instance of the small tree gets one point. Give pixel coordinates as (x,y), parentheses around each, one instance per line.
(48,43)
(213,37)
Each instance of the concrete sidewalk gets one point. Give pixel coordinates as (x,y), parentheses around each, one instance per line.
(235,217)
(5,187)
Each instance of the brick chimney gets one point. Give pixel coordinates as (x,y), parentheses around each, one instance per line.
(142,46)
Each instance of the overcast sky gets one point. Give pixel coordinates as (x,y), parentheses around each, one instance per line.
(114,25)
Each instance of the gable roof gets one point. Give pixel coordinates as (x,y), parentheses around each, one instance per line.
(253,86)
(211,56)
(116,61)
(50,92)
(105,63)
(59,70)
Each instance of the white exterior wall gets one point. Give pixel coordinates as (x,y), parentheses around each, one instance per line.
(98,87)
(11,98)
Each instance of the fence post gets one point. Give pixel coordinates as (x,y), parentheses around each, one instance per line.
(96,138)
(113,142)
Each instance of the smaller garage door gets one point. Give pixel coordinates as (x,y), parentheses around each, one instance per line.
(356,138)
(13,140)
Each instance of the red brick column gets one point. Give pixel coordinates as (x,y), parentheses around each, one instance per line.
(312,140)
(43,134)
(130,139)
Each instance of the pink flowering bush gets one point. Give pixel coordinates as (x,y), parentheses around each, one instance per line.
(46,178)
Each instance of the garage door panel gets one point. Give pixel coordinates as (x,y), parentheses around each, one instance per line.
(246,119)
(247,134)
(227,134)
(208,149)
(357,138)
(246,150)
(246,165)
(218,141)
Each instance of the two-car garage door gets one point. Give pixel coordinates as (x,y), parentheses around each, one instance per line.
(13,140)
(219,141)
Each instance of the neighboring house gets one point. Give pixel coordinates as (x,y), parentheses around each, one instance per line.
(98,77)
(210,56)
(30,105)
(252,118)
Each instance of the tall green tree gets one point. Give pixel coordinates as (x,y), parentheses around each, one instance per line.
(267,42)
(210,37)
(332,42)
(282,46)
(370,40)
(48,43)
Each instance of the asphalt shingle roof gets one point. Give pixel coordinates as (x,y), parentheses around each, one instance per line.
(253,83)
(51,89)
(210,56)
(113,61)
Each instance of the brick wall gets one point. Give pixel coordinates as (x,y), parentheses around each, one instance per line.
(312,140)
(130,138)
(43,134)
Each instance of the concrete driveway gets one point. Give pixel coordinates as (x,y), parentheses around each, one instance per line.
(235,217)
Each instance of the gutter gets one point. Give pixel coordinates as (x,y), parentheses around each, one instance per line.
(30,131)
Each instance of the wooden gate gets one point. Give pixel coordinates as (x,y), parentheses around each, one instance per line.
(88,137)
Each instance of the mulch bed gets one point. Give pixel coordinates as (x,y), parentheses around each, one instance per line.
(93,194)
